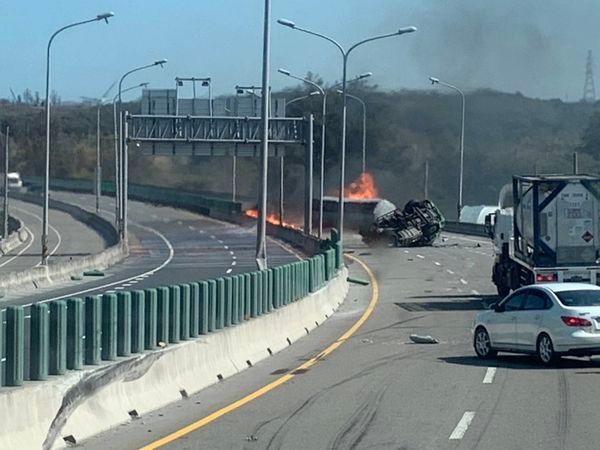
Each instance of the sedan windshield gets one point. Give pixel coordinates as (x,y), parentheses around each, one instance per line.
(579,298)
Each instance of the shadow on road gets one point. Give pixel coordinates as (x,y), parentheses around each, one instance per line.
(524,362)
(455,302)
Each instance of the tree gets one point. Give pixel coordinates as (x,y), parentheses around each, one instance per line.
(590,139)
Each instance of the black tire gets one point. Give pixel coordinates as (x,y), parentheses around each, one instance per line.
(503,290)
(483,345)
(545,350)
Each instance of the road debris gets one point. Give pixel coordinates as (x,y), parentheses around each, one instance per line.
(423,339)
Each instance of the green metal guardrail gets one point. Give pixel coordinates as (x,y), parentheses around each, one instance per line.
(158,195)
(66,335)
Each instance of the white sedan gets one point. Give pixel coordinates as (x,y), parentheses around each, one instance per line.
(548,320)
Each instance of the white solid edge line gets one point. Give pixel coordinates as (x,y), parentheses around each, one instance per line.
(462,426)
(489,375)
(150,272)
(24,249)
(59,238)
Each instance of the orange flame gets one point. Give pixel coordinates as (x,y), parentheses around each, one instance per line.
(362,188)
(271,218)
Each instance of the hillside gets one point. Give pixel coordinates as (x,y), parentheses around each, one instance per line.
(505,134)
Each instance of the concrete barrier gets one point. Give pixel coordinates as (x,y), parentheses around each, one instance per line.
(17,235)
(470,229)
(87,402)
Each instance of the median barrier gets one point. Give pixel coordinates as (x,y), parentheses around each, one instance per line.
(149,346)
(471,229)
(115,325)
(16,235)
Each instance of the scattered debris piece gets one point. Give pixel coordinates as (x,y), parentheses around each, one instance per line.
(423,339)
(93,273)
(251,438)
(162,344)
(357,281)
(366,341)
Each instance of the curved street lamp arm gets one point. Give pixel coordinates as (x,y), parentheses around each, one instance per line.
(322,36)
(374,38)
(307,81)
(357,99)
(130,88)
(129,73)
(448,85)
(66,27)
(297,99)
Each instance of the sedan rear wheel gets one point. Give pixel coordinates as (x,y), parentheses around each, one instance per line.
(545,350)
(482,344)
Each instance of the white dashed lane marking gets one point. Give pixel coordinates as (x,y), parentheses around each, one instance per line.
(463,426)
(463,281)
(474,292)
(489,375)
(228,271)
(420,256)
(449,271)
(437,263)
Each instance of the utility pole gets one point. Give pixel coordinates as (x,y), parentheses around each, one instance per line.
(5,208)
(98,164)
(589,90)
(426,189)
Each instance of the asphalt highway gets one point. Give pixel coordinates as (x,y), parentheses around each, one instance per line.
(61,232)
(167,246)
(378,390)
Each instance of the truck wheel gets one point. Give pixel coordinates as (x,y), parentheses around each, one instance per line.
(503,290)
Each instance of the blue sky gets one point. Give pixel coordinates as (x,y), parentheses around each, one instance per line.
(533,46)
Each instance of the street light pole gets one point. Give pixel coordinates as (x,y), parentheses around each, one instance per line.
(5,208)
(462,141)
(322,163)
(261,230)
(117,156)
(123,152)
(345,55)
(364,129)
(98,164)
(104,17)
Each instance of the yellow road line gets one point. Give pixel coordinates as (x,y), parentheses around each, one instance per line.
(279,381)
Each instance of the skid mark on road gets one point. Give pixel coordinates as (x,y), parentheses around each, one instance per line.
(285,378)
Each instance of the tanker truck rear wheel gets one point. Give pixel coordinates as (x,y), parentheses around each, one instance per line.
(503,290)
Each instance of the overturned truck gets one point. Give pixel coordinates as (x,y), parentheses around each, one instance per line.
(418,224)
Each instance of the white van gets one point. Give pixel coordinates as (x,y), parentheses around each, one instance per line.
(14,180)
